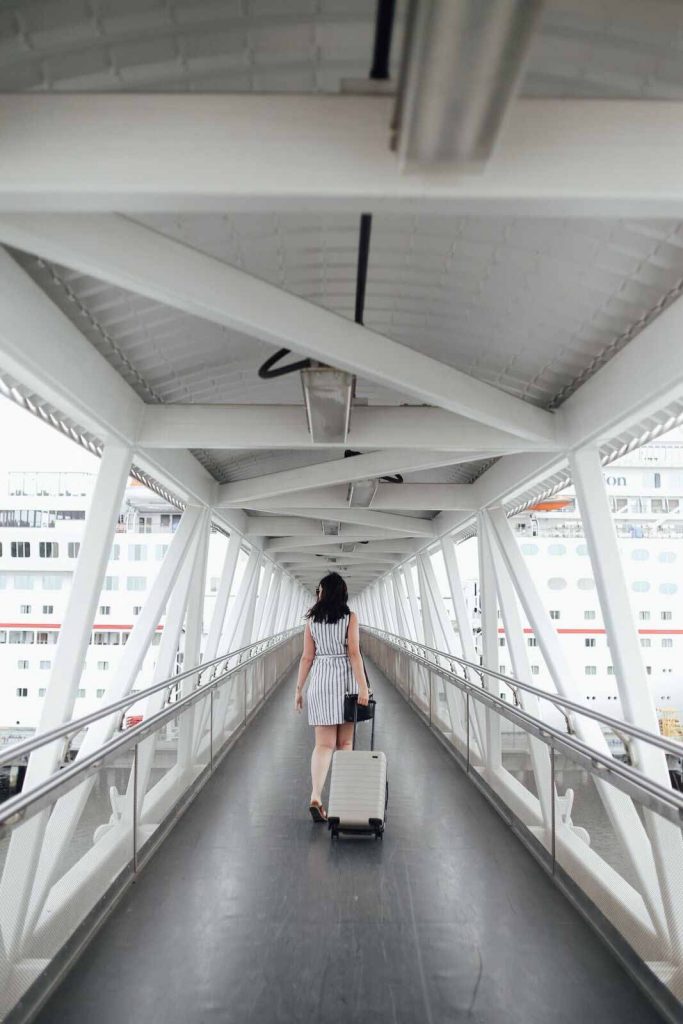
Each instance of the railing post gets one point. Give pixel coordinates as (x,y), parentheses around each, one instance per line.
(135,809)
(552,806)
(467,720)
(211,692)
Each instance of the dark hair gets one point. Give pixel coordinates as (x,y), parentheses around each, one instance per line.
(333,596)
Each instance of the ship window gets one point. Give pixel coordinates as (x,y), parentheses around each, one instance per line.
(25,609)
(213,584)
(586,583)
(52,582)
(610,670)
(591,670)
(648,670)
(640,555)
(48,549)
(102,666)
(535,669)
(20,549)
(81,692)
(156,639)
(667,556)
(44,636)
(137,608)
(21,664)
(42,691)
(22,691)
(557,549)
(110,583)
(554,613)
(108,638)
(45,664)
(100,693)
(589,613)
(73,547)
(666,616)
(529,549)
(21,636)
(640,586)
(3,636)
(532,641)
(645,641)
(667,641)
(48,609)
(136,583)
(501,641)
(105,609)
(668,588)
(160,551)
(115,553)
(644,616)
(557,583)
(582,550)
(22,581)
(589,641)
(137,552)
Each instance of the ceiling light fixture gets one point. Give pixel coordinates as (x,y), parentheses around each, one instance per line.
(327,396)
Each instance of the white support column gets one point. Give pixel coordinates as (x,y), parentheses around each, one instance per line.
(444,639)
(414,606)
(266,578)
(194,623)
(285,593)
(26,843)
(400,605)
(384,604)
(634,692)
(517,647)
(489,641)
(272,606)
(620,809)
(222,596)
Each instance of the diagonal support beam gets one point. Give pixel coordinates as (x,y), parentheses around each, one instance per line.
(134,257)
(372,464)
(355,516)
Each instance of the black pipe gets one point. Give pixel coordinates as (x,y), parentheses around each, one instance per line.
(362,271)
(384,23)
(266,372)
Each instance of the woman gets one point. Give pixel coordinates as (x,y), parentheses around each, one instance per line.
(332,657)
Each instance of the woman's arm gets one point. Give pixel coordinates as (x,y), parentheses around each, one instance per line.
(353,651)
(304,666)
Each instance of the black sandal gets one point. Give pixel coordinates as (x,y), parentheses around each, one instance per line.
(318,812)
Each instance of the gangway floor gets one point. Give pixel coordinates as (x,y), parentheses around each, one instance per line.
(249,912)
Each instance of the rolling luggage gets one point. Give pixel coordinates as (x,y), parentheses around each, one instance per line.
(359,790)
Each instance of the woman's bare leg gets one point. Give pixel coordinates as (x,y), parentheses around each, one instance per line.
(345,736)
(325,743)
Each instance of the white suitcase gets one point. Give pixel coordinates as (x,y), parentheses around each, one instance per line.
(358,791)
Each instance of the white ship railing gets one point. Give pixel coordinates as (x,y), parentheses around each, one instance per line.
(103,814)
(586,815)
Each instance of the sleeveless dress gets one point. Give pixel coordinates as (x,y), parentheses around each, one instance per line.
(331,675)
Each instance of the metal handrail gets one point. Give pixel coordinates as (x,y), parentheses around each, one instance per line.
(616,724)
(14,810)
(76,724)
(666,801)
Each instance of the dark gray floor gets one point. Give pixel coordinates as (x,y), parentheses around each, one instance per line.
(249,912)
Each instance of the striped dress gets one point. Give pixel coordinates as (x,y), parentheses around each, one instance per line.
(331,675)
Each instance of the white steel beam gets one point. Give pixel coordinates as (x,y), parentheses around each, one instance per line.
(227,427)
(346,536)
(622,813)
(336,471)
(26,843)
(357,516)
(555,157)
(392,497)
(488,605)
(136,258)
(626,653)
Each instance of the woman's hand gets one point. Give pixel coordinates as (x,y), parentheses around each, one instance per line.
(363,695)
(298,700)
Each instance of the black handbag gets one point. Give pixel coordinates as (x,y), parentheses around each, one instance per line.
(353,711)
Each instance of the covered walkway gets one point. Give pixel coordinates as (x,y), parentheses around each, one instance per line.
(249,913)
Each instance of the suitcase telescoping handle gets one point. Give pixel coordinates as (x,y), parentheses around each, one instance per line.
(355,723)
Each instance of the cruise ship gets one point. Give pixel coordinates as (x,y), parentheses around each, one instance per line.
(41,524)
(42,519)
